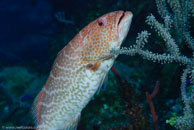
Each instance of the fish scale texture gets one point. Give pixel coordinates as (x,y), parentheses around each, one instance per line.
(77,73)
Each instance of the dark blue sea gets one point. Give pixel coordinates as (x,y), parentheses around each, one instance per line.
(149,89)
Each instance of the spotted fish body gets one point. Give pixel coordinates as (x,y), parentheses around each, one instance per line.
(79,71)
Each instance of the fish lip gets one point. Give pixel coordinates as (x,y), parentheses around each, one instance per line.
(123,26)
(121,17)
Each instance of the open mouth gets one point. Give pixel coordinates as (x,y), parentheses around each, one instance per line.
(122,16)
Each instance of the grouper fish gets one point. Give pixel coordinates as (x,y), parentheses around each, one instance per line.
(78,72)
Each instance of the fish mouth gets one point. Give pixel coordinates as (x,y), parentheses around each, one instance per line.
(121,17)
(124,16)
(123,24)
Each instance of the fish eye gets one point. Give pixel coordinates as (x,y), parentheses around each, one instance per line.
(100,24)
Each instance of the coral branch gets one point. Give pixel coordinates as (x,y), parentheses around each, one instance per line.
(185,121)
(134,110)
(12,103)
(155,89)
(149,100)
(174,29)
(117,75)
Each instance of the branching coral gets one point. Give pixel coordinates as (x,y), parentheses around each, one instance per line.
(134,110)
(187,120)
(17,88)
(177,21)
(149,100)
(16,79)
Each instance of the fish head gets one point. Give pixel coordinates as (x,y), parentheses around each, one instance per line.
(105,33)
(120,27)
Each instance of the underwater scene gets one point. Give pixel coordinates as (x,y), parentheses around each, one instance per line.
(97,64)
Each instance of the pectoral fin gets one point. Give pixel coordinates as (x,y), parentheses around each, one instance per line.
(72,125)
(93,67)
(103,80)
(106,57)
